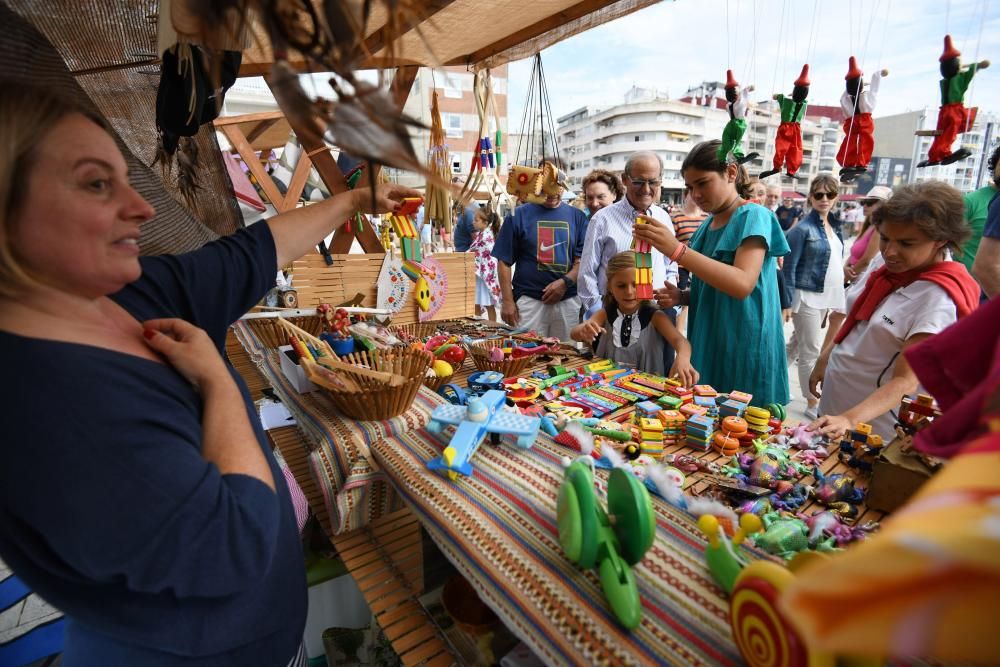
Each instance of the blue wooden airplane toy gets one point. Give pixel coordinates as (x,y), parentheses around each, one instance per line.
(480,416)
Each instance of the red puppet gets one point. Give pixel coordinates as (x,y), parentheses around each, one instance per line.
(953,117)
(788,143)
(856,150)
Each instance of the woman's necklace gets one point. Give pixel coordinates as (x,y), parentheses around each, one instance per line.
(722,217)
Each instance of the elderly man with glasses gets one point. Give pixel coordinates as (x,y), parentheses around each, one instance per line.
(610,230)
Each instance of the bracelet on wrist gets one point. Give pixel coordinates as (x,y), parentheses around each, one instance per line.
(678,252)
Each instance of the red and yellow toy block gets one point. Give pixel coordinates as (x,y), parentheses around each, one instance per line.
(640,246)
(643,283)
(651,436)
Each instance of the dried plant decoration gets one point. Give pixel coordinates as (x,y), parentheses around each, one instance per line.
(364,120)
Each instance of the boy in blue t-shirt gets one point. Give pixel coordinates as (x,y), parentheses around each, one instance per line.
(544,242)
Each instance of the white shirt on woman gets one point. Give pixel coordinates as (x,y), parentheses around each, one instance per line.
(866,359)
(832,295)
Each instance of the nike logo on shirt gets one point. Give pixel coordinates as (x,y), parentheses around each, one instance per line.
(549,246)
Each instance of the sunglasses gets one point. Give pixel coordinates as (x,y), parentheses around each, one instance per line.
(824,195)
(640,184)
(869,202)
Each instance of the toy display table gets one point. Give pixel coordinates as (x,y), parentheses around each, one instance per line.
(499,528)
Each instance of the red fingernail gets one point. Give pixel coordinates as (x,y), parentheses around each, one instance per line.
(149,333)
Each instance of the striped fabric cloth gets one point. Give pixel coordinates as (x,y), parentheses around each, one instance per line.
(499,529)
(354,492)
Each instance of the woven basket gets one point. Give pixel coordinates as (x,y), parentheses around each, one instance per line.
(480,353)
(375,400)
(419,330)
(273,335)
(371,386)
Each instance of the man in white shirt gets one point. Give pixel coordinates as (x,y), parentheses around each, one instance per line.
(610,230)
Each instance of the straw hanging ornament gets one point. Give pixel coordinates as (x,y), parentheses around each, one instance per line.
(438,205)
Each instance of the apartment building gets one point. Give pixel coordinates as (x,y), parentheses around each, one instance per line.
(897,144)
(595,138)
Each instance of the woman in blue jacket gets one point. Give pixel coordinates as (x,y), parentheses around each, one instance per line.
(814,279)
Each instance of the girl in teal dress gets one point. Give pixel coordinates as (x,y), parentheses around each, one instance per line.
(734,323)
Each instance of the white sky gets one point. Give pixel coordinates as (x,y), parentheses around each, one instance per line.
(673,45)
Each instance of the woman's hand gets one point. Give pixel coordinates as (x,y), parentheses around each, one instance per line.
(786,314)
(850,274)
(685,372)
(657,234)
(833,427)
(816,377)
(388,197)
(667,296)
(188,349)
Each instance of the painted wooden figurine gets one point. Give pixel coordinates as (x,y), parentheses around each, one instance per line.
(953,117)
(788,143)
(858,104)
(732,134)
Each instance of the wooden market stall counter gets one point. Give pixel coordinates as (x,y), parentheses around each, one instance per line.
(498,527)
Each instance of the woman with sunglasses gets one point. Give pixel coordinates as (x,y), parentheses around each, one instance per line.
(814,279)
(865,247)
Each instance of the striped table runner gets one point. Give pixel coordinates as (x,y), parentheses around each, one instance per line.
(499,529)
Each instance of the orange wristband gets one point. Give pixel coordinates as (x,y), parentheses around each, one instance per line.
(678,252)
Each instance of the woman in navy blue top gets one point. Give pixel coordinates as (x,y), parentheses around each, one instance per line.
(137,492)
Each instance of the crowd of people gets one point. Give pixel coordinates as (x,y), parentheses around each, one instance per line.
(859,282)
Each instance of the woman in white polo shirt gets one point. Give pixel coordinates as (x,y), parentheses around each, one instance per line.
(917,293)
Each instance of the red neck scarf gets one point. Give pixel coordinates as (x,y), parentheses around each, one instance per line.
(953,277)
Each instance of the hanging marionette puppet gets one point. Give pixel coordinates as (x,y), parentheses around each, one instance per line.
(858,104)
(788,142)
(732,135)
(953,117)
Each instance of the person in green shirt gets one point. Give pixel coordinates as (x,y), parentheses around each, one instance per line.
(977,204)
(953,117)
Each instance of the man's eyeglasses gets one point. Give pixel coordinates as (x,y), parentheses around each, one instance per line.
(639,184)
(825,195)
(869,202)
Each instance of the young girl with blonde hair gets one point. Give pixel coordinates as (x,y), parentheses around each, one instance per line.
(631,330)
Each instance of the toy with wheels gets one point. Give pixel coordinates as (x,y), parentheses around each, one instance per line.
(481,382)
(612,541)
(453,394)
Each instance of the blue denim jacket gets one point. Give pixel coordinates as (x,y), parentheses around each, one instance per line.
(805,266)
